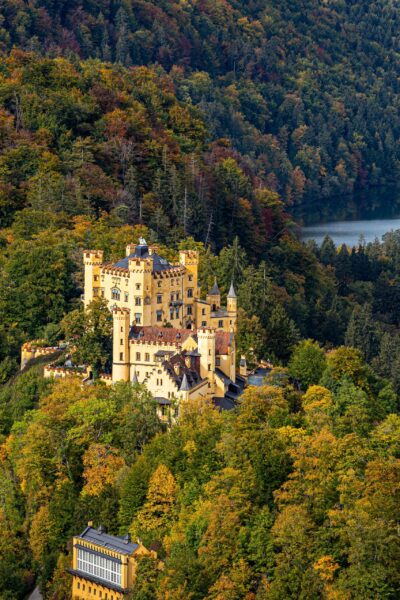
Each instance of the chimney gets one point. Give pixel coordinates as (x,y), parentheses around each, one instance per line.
(130,249)
(127,538)
(101,529)
(90,523)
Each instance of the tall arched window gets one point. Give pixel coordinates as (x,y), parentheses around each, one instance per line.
(115,294)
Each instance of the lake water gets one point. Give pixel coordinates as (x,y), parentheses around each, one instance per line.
(349,232)
(370,214)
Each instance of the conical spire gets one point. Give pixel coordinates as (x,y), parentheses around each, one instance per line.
(232,293)
(215,289)
(185,387)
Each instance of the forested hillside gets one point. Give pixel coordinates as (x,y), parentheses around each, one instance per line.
(307,91)
(202,124)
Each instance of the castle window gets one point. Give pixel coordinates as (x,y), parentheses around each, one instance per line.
(96,277)
(137,355)
(159,298)
(90,590)
(126,296)
(115,294)
(121,356)
(190,293)
(220,323)
(177,312)
(138,318)
(122,329)
(172,297)
(102,292)
(138,286)
(189,310)
(190,278)
(94,592)
(204,323)
(209,367)
(203,311)
(163,410)
(177,296)
(121,342)
(159,283)
(176,411)
(171,313)
(159,315)
(83,587)
(218,361)
(78,585)
(147,357)
(138,301)
(100,594)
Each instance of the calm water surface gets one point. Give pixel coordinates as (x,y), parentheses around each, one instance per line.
(369,215)
(350,232)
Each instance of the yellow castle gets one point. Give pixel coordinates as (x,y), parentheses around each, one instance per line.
(164,335)
(155,292)
(103,565)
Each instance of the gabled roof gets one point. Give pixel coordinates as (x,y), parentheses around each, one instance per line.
(112,542)
(187,377)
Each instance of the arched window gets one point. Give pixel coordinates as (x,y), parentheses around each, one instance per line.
(115,294)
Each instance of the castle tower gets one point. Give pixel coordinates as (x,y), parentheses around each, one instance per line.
(214,297)
(92,260)
(121,356)
(232,307)
(140,288)
(206,345)
(190,260)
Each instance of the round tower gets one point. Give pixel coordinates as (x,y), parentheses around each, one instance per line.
(92,260)
(206,345)
(121,356)
(232,307)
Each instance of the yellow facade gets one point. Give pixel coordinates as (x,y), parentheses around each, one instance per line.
(104,566)
(156,292)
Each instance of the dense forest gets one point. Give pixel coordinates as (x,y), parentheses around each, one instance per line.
(203,124)
(307,91)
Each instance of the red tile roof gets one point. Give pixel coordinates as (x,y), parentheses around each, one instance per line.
(166,335)
(171,336)
(222,342)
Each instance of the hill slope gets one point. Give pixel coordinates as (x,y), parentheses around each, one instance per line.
(307,90)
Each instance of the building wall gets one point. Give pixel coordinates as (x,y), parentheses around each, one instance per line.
(148,295)
(83,589)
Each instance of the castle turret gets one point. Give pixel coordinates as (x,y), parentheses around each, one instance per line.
(185,388)
(121,357)
(206,344)
(232,307)
(92,260)
(214,297)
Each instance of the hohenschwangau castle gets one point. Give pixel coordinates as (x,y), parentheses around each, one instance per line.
(164,335)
